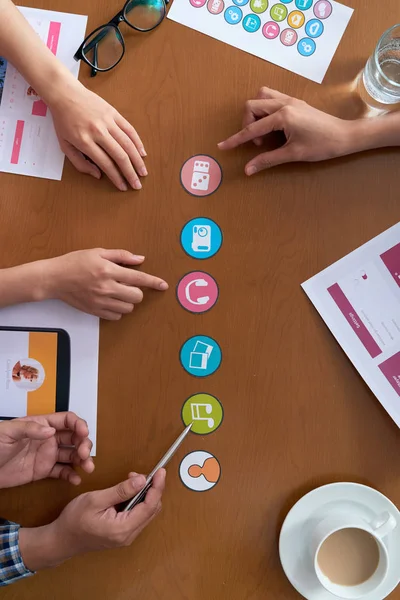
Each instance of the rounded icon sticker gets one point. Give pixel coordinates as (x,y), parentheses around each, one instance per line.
(197,292)
(304,4)
(278,12)
(296,19)
(204,411)
(201,175)
(233,15)
(200,356)
(286,1)
(258,6)
(197,3)
(251,23)
(201,238)
(306,47)
(200,471)
(240,2)
(270,30)
(323,9)
(215,6)
(288,37)
(314,28)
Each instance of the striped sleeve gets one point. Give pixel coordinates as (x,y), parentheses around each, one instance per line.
(12,566)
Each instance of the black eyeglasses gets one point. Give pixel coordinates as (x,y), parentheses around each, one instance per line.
(104,48)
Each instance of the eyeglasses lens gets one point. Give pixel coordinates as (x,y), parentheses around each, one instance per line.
(104,48)
(145,14)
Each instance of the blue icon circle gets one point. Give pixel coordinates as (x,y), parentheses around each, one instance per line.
(240,2)
(314,28)
(304,4)
(201,238)
(200,356)
(233,15)
(251,23)
(306,47)
(286,1)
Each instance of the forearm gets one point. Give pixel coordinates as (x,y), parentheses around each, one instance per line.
(40,548)
(25,283)
(23,48)
(376,132)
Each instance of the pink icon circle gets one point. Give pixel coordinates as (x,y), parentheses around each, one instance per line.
(323,9)
(271,30)
(197,3)
(201,175)
(197,292)
(215,6)
(288,37)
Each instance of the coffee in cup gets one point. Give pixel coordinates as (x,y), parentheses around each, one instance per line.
(351,559)
(349,556)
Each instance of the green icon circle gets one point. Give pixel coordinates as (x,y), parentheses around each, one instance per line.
(258,6)
(204,411)
(279,12)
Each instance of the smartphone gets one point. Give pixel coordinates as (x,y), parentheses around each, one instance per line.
(35,365)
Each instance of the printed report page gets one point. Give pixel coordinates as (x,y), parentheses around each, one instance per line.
(359,299)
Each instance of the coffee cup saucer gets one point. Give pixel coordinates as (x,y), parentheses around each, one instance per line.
(336,498)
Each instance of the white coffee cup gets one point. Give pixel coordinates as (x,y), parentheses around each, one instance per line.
(378,528)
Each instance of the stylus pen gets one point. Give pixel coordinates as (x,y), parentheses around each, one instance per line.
(140,496)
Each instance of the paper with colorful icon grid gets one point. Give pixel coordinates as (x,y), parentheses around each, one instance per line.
(299,35)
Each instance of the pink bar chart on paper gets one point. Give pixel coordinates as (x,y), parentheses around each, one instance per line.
(354,320)
(54,36)
(39,108)
(16,149)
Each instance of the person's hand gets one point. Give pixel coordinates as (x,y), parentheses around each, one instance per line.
(92,522)
(34,448)
(95,282)
(87,126)
(311,135)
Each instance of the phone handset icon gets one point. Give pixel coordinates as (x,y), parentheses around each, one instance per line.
(196,283)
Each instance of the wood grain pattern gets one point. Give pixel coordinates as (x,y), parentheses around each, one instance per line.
(297,415)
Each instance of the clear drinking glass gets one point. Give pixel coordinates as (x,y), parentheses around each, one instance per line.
(381,75)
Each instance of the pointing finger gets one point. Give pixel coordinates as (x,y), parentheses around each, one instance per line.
(254,130)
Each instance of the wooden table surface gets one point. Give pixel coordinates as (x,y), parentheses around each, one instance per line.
(297,414)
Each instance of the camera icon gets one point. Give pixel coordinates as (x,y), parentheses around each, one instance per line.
(201,238)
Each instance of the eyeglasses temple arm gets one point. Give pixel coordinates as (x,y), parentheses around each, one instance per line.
(93,72)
